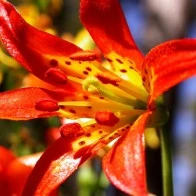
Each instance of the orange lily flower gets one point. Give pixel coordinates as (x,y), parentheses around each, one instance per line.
(119,101)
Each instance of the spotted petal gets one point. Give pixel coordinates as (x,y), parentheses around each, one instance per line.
(65,155)
(46,56)
(168,64)
(124,165)
(28,103)
(58,162)
(105,21)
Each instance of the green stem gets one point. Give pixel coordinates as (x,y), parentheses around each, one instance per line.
(166,162)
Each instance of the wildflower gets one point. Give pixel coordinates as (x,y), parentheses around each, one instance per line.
(119,100)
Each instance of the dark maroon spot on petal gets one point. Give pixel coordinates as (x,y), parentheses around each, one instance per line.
(106,118)
(105,79)
(54,62)
(56,75)
(89,107)
(85,97)
(110,60)
(101,97)
(85,56)
(123,70)
(48,105)
(100,132)
(88,134)
(81,143)
(67,62)
(118,60)
(88,69)
(71,130)
(131,67)
(62,107)
(85,72)
(111,138)
(72,111)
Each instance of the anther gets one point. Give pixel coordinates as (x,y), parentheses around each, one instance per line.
(106,118)
(56,75)
(71,131)
(85,56)
(48,105)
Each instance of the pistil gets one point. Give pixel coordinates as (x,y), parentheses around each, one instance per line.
(94,86)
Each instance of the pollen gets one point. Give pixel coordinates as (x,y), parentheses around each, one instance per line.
(85,56)
(106,118)
(71,131)
(48,105)
(56,75)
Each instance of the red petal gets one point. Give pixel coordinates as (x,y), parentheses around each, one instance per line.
(48,57)
(168,64)
(106,23)
(18,171)
(21,104)
(58,162)
(124,165)
(6,157)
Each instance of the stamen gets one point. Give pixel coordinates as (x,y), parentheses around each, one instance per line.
(75,103)
(93,85)
(71,131)
(131,113)
(128,87)
(48,105)
(85,56)
(106,118)
(74,79)
(56,75)
(133,90)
